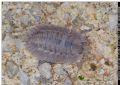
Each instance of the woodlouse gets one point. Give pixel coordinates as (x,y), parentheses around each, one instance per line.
(55,44)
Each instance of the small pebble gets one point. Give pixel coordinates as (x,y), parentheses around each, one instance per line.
(24,78)
(113,21)
(45,70)
(108,63)
(101,71)
(12,69)
(68,82)
(93,67)
(85,28)
(102,61)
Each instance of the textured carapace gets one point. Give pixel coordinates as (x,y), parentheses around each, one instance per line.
(55,44)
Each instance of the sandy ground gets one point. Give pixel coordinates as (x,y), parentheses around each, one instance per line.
(19,67)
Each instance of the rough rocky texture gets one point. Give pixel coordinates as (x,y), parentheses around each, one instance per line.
(99,19)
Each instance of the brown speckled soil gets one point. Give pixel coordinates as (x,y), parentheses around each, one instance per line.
(19,67)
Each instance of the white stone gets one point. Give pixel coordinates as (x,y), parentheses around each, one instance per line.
(113,20)
(101,71)
(45,70)
(102,61)
(12,69)
(24,78)
(85,28)
(68,82)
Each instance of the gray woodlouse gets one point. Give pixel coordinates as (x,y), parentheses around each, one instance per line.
(56,44)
